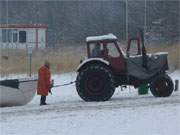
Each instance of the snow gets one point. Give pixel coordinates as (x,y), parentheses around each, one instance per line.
(126,113)
(150,54)
(161,53)
(20,77)
(100,38)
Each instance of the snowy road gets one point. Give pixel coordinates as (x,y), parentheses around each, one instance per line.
(67,114)
(116,103)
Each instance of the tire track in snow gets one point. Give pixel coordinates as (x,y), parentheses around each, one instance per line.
(120,103)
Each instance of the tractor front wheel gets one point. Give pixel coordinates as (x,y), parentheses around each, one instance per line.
(95,83)
(162,86)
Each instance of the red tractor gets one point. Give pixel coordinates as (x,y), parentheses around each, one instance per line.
(108,67)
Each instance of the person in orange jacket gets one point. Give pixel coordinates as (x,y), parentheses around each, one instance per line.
(44,82)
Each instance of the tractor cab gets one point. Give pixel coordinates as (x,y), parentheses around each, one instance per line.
(106,47)
(102,46)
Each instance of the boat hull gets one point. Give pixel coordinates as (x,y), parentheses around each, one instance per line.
(11,96)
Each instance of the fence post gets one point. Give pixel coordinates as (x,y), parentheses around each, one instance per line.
(30,59)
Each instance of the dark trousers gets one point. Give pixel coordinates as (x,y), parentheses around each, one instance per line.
(43,100)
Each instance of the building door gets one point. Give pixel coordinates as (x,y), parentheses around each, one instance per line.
(31,38)
(41,38)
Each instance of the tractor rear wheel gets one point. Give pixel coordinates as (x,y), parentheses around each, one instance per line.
(162,86)
(95,83)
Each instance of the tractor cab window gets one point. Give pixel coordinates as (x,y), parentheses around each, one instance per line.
(95,49)
(133,47)
(112,50)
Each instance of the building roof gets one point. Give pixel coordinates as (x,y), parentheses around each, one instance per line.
(23,26)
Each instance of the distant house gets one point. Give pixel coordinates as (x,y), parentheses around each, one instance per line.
(22,36)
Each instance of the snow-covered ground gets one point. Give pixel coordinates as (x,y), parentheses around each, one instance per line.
(66,114)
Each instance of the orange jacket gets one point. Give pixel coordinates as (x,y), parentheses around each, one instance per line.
(44,81)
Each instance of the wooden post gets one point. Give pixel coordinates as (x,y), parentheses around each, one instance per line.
(37,38)
(30,59)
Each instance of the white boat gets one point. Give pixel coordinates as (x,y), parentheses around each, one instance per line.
(16,92)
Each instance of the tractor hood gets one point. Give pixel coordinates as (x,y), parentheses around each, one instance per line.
(155,62)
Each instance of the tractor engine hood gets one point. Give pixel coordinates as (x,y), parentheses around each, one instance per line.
(155,62)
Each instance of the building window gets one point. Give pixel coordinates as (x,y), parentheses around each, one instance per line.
(4,37)
(0,36)
(14,36)
(9,35)
(22,36)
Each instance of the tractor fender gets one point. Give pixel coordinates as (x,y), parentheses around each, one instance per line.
(90,61)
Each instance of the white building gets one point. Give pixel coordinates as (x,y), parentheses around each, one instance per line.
(22,36)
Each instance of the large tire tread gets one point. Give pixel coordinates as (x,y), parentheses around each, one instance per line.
(165,92)
(80,81)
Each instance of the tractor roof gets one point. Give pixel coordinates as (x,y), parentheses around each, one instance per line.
(108,37)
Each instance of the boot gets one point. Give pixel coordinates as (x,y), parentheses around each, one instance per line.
(43,100)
